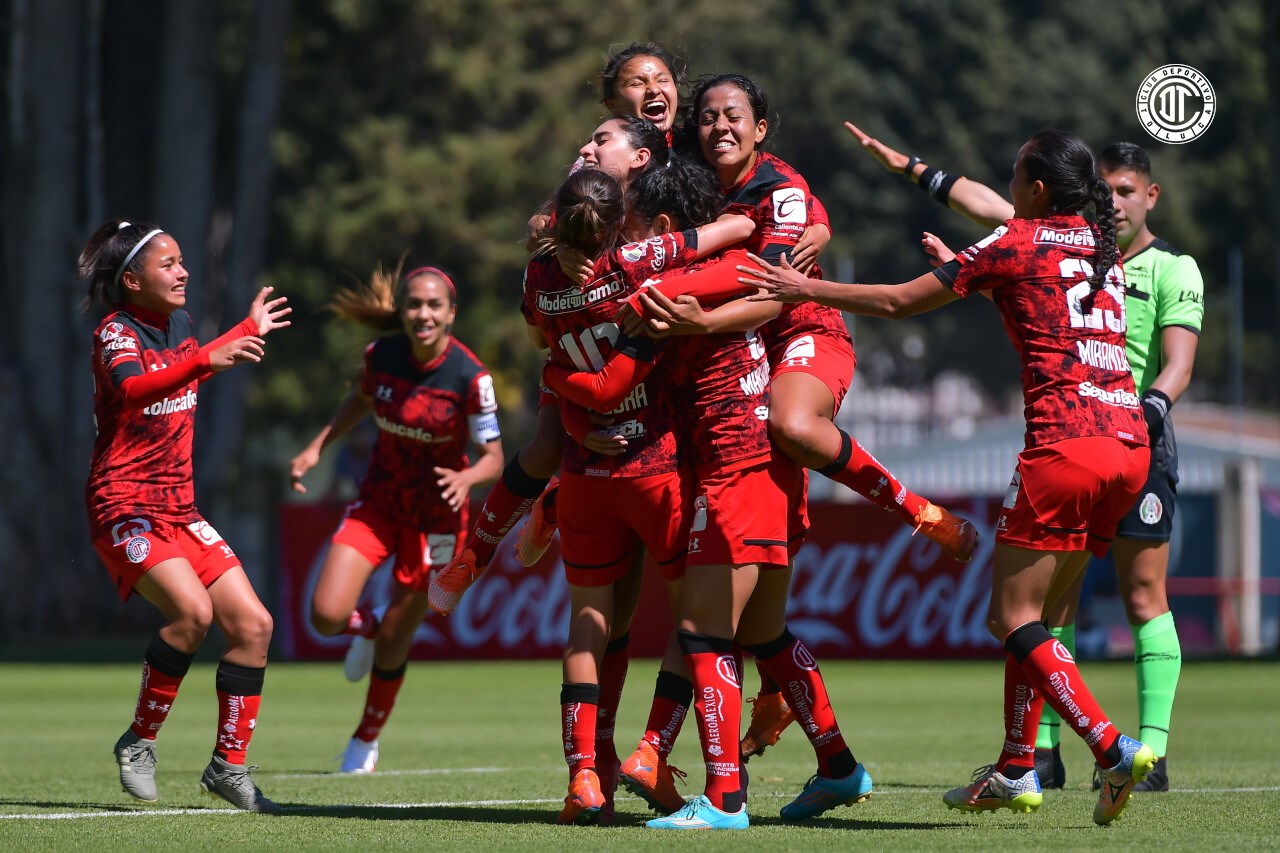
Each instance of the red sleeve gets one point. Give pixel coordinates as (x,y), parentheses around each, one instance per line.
(243,329)
(139,391)
(714,282)
(985,264)
(818,213)
(603,391)
(575,420)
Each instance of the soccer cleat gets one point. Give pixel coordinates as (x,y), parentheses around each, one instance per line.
(234,783)
(536,534)
(1157,779)
(585,800)
(698,813)
(448,584)
(648,775)
(1050,770)
(137,759)
(770,715)
(359,660)
(821,794)
(991,790)
(1136,761)
(359,757)
(957,537)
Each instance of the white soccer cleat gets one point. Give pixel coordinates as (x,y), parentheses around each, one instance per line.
(359,757)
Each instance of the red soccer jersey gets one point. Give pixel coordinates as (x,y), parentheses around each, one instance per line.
(778,200)
(579,323)
(425,414)
(1076,379)
(142,454)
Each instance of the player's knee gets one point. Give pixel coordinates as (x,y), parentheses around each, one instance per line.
(326,623)
(253,629)
(1144,602)
(791,429)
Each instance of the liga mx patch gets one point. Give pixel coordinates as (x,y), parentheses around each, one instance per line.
(1151,510)
(137,549)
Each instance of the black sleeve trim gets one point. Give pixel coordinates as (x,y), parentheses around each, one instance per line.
(947,273)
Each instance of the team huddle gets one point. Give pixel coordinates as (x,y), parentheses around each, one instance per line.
(696,361)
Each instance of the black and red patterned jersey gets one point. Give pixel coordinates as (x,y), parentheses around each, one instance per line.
(142,454)
(425,414)
(1076,379)
(778,200)
(579,324)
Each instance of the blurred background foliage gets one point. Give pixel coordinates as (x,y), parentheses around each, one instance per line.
(303,144)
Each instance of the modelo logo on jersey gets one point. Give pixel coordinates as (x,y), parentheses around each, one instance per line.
(1064,236)
(573,299)
(789,206)
(169,405)
(1115,397)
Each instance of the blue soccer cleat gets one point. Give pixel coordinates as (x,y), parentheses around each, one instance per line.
(698,813)
(821,794)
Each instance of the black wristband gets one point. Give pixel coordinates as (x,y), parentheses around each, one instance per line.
(937,183)
(1155,408)
(912,162)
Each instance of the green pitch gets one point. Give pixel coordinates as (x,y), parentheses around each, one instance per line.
(472,759)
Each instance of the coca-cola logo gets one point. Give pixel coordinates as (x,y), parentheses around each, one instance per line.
(889,595)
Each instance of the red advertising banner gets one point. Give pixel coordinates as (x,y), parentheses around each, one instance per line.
(863,587)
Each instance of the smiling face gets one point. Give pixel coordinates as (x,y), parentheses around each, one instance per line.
(728,132)
(160,285)
(610,151)
(646,88)
(427,313)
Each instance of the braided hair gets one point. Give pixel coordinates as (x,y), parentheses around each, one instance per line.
(1065,165)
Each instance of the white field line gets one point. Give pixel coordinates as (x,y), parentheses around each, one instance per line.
(142,812)
(435,771)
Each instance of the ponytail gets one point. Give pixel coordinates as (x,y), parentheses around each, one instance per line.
(1107,252)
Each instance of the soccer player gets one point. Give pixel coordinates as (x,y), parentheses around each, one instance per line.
(147,369)
(1164,306)
(810,352)
(430,397)
(1060,291)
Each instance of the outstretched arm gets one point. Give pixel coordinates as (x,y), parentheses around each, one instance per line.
(969,198)
(351,411)
(785,284)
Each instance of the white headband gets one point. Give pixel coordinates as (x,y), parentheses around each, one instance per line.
(135,251)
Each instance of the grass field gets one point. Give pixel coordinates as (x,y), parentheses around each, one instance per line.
(471,759)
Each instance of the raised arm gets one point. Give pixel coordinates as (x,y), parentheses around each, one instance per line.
(353,409)
(785,284)
(969,198)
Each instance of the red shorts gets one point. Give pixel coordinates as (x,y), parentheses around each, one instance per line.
(132,546)
(829,359)
(418,554)
(1070,495)
(603,521)
(740,516)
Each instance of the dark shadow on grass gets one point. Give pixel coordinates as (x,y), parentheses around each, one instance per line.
(848,824)
(80,805)
(467,814)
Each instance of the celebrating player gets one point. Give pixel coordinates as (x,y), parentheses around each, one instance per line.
(430,396)
(147,367)
(1056,281)
(1164,306)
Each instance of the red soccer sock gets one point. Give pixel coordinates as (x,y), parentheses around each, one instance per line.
(613,674)
(384,687)
(767,684)
(718,708)
(672,696)
(362,623)
(239,695)
(1052,672)
(858,470)
(162,672)
(579,707)
(793,667)
(1022,706)
(549,502)
(507,503)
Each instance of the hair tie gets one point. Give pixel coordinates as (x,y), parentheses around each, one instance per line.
(439,273)
(134,251)
(123,225)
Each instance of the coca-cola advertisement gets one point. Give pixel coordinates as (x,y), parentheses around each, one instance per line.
(863,587)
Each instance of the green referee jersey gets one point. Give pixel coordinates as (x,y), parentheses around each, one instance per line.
(1163,288)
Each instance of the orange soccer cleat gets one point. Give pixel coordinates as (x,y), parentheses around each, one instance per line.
(536,534)
(584,801)
(770,715)
(648,775)
(957,537)
(448,584)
